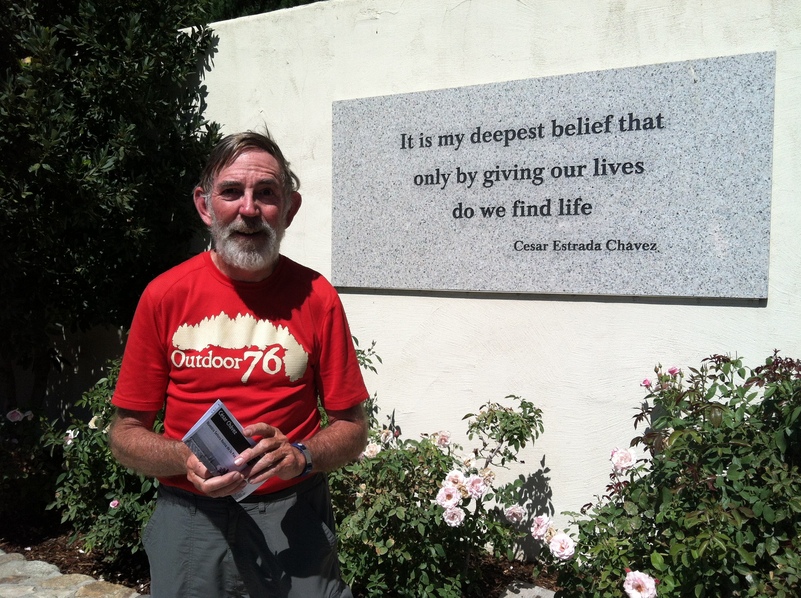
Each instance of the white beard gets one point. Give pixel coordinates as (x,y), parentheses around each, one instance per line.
(252,253)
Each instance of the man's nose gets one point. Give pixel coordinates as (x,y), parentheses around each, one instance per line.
(248,205)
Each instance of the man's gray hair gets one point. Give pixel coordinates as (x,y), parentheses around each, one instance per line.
(232,146)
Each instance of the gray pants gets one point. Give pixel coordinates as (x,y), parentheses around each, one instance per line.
(279,547)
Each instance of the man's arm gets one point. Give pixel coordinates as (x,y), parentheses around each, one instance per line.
(134,444)
(342,441)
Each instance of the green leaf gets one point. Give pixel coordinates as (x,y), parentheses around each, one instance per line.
(747,556)
(676,549)
(735,473)
(771,545)
(658,561)
(781,440)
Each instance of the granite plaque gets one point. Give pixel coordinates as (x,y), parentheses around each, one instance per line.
(645,181)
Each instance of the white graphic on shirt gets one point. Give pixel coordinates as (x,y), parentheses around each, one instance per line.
(241,332)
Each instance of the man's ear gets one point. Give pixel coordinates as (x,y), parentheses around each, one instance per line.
(294,205)
(200,205)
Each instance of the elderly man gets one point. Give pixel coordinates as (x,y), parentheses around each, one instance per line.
(267,336)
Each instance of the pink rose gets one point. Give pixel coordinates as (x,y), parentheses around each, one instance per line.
(476,486)
(453,516)
(449,496)
(70,436)
(622,459)
(443,439)
(455,478)
(15,415)
(639,585)
(114,504)
(673,371)
(646,383)
(371,450)
(562,546)
(539,526)
(514,514)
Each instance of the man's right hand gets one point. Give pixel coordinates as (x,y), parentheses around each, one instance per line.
(210,485)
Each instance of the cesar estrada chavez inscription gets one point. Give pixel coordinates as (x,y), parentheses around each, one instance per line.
(538,175)
(621,182)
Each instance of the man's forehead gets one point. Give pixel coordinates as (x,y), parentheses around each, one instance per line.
(250,162)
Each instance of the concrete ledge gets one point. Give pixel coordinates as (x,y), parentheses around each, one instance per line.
(526,590)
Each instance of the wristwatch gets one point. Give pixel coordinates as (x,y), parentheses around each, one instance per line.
(306,455)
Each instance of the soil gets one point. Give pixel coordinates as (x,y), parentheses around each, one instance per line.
(47,540)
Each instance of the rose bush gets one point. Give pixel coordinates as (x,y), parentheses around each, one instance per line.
(414,517)
(715,508)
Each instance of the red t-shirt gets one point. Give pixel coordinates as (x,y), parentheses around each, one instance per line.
(266,349)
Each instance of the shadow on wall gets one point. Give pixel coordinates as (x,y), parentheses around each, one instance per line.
(535,491)
(74,363)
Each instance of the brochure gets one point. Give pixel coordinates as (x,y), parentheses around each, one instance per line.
(217,439)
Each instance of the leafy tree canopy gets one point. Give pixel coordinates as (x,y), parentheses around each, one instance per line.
(221,10)
(102,137)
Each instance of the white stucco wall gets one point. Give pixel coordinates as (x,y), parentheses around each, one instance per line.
(579,359)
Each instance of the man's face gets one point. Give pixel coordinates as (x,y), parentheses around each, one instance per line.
(247,215)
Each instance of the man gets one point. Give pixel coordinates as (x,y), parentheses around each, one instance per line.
(243,324)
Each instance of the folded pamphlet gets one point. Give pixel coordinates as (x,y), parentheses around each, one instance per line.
(216,440)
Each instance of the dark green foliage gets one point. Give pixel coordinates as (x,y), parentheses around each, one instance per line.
(716,511)
(221,10)
(102,138)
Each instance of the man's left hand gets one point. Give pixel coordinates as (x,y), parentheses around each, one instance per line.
(272,456)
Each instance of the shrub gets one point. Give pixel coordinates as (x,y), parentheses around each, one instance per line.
(104,502)
(716,510)
(415,516)
(101,132)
